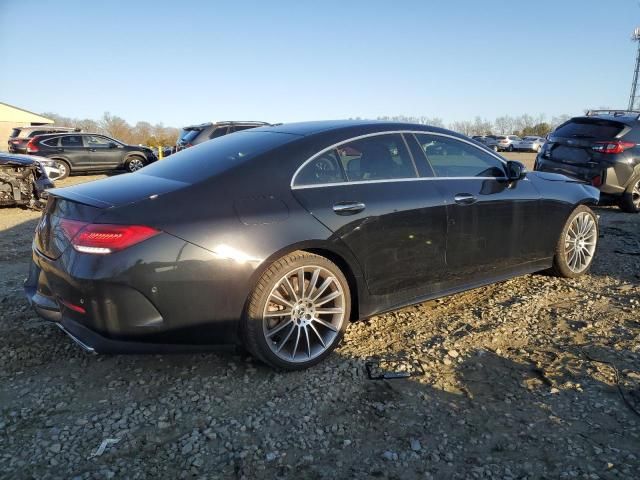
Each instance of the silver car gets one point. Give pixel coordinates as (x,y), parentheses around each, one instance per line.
(507,142)
(530,144)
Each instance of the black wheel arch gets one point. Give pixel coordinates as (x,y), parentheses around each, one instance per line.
(339,255)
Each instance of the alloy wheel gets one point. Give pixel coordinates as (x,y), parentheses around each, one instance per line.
(304,313)
(62,167)
(635,195)
(580,242)
(135,164)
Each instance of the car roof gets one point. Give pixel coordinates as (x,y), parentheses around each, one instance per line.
(201,126)
(311,128)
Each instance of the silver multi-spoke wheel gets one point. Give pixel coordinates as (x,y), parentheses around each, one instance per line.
(635,195)
(580,242)
(135,164)
(304,313)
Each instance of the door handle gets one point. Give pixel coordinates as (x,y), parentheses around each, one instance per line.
(348,208)
(465,199)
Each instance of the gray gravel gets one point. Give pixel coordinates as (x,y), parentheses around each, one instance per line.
(511,389)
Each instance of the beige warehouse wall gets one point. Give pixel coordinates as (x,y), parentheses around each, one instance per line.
(9,113)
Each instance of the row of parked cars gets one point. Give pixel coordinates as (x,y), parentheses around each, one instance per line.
(510,143)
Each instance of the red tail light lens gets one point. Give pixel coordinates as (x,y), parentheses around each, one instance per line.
(612,147)
(102,238)
(31,146)
(596,181)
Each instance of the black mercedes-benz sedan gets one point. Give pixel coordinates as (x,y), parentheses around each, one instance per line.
(277,237)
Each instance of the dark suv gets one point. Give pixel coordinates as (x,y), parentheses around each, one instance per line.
(86,152)
(195,134)
(20,136)
(600,148)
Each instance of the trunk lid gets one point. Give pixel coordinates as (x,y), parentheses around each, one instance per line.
(87,201)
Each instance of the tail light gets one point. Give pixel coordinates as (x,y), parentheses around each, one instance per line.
(31,146)
(612,147)
(102,238)
(596,181)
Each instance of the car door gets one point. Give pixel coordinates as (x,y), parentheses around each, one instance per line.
(73,149)
(368,192)
(493,223)
(104,152)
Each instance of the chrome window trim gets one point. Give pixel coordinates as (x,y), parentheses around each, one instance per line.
(376,134)
(390,180)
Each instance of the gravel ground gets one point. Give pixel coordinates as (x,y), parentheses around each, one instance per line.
(535,377)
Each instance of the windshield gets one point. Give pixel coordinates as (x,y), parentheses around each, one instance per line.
(217,155)
(590,128)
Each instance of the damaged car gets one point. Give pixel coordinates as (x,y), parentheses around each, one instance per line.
(24,180)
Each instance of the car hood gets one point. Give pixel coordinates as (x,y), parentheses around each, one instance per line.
(118,190)
(17,160)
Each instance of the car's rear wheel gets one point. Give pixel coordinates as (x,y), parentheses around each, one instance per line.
(63,167)
(630,201)
(510,148)
(298,312)
(494,148)
(577,244)
(134,164)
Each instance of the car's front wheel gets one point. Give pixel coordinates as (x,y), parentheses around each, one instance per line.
(630,201)
(577,244)
(298,311)
(510,148)
(63,168)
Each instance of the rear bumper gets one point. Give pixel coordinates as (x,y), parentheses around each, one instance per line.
(611,183)
(112,315)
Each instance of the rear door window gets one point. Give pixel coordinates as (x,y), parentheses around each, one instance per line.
(381,157)
(323,169)
(15,132)
(589,128)
(219,132)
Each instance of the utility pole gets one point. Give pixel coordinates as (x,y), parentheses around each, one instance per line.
(633,98)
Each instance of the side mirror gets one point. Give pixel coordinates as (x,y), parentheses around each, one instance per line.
(515,170)
(113,145)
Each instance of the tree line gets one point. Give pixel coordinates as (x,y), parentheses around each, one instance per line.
(147,134)
(522,125)
(142,133)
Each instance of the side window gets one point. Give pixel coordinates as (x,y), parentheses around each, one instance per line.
(322,169)
(52,142)
(94,141)
(36,132)
(239,128)
(376,158)
(71,141)
(453,158)
(218,132)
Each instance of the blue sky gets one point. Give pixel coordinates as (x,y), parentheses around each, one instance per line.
(194,61)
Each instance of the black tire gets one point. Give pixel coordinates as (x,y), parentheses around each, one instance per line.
(561,266)
(254,331)
(630,201)
(135,163)
(64,167)
(494,148)
(510,149)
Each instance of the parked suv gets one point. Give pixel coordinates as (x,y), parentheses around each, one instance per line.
(85,152)
(20,136)
(195,134)
(600,148)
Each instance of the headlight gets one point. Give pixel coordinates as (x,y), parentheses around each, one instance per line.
(48,163)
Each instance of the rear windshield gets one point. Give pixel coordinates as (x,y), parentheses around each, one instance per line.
(15,132)
(589,128)
(216,156)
